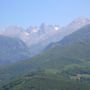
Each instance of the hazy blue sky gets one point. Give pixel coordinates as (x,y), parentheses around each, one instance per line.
(33,12)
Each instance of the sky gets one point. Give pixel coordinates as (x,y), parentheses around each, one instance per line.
(25,13)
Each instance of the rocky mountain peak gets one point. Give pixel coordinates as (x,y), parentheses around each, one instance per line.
(81,21)
(77,24)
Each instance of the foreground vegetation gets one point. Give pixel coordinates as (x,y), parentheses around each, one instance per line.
(43,80)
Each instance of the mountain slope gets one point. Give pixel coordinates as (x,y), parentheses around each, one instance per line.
(83,34)
(12,50)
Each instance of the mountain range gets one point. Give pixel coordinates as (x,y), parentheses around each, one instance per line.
(46,58)
(38,38)
(63,64)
